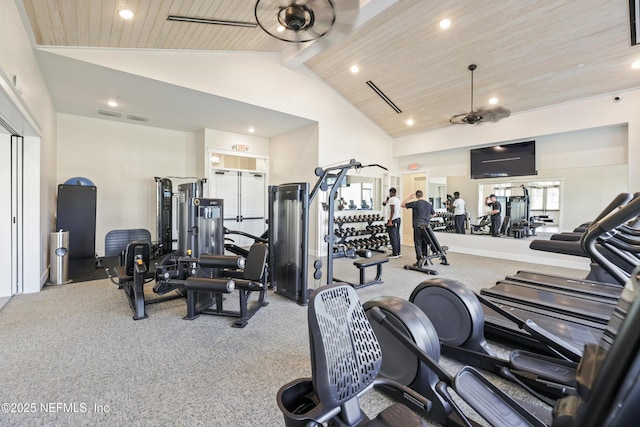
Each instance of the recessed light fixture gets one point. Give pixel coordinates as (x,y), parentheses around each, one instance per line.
(410,122)
(112,103)
(445,23)
(280,28)
(493,101)
(636,64)
(125,13)
(354,69)
(251,130)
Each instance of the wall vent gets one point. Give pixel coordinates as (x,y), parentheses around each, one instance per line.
(109,113)
(634,21)
(136,118)
(384,97)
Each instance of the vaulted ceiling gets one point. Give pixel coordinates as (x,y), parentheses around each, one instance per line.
(529,53)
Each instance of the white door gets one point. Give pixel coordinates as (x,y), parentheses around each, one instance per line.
(6,217)
(244,202)
(252,204)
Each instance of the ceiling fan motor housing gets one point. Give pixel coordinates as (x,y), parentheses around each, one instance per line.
(296,17)
(473,118)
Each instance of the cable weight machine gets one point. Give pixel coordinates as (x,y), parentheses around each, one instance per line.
(289,230)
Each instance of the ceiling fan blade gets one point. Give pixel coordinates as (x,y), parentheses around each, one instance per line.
(494,114)
(459,119)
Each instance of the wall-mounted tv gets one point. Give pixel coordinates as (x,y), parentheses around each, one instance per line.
(517,159)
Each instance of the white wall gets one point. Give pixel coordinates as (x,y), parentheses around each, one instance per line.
(122,160)
(34,117)
(591,164)
(259,79)
(293,157)
(590,113)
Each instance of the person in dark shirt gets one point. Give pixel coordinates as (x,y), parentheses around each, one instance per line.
(422,212)
(496,209)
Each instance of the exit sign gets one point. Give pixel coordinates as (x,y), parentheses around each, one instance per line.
(241,147)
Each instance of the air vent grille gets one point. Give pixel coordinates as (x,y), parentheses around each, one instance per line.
(109,113)
(197,20)
(384,97)
(136,118)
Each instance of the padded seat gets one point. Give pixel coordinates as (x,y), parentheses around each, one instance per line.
(362,264)
(133,273)
(249,279)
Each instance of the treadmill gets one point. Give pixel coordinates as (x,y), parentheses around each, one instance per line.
(546,308)
(576,332)
(607,245)
(591,310)
(577,286)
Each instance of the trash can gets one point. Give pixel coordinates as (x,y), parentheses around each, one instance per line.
(59,258)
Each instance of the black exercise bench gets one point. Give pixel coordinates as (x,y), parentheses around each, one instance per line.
(362,265)
(239,274)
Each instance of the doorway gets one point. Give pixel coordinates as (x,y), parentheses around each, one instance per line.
(411,183)
(11,176)
(243,193)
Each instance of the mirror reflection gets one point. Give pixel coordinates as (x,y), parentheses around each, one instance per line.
(359,193)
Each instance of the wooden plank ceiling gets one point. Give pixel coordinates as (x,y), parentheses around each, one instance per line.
(530,53)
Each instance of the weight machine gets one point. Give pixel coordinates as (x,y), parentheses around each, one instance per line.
(289,230)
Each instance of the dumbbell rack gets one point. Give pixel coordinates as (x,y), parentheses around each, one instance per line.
(372,236)
(443,221)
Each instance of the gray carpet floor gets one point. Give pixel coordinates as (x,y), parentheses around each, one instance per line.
(71,355)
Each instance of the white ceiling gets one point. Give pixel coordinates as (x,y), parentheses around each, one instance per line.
(530,54)
(78,88)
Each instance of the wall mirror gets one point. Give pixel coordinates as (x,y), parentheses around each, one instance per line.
(359,192)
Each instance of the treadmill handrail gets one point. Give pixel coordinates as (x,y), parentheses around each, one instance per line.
(588,241)
(554,343)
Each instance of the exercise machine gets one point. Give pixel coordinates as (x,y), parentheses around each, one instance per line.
(483,225)
(606,378)
(596,243)
(289,206)
(133,273)
(164,215)
(339,378)
(457,315)
(608,374)
(571,305)
(431,250)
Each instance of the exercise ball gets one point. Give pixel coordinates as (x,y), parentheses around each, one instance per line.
(79,180)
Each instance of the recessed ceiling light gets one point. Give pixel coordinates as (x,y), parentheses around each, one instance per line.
(354,69)
(636,64)
(445,23)
(280,28)
(125,14)
(410,122)
(112,103)
(251,130)
(493,101)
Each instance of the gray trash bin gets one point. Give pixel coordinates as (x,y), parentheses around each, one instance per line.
(59,257)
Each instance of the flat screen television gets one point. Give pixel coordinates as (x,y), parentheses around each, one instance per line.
(517,159)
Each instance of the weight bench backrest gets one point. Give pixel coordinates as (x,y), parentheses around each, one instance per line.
(133,249)
(116,241)
(345,353)
(255,263)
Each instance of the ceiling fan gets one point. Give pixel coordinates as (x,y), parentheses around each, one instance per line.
(483,114)
(301,21)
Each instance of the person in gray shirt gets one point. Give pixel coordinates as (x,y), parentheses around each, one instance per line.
(422,213)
